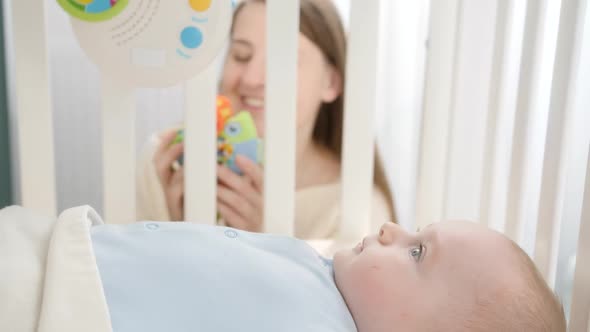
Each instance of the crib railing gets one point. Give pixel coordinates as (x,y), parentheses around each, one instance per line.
(35,129)
(490,150)
(38,187)
(280,97)
(581,297)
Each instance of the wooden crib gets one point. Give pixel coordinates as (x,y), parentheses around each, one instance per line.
(482,153)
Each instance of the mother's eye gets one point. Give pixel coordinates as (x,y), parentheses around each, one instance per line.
(241,59)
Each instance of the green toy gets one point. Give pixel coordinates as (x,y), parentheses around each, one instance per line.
(237,137)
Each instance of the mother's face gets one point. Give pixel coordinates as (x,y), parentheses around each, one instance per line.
(244,74)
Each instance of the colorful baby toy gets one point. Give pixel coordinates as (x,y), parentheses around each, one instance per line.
(236,135)
(223,111)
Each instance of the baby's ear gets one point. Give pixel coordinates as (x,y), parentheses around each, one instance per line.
(333,85)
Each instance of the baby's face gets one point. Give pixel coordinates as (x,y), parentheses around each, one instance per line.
(401,281)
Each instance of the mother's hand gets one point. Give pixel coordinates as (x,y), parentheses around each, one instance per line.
(171,178)
(239,198)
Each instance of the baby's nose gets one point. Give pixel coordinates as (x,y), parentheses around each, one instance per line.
(388,233)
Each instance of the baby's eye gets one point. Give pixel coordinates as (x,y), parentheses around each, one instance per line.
(416,253)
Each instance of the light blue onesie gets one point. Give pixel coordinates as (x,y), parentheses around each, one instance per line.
(163,276)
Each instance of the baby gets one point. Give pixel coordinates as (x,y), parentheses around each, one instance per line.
(162,276)
(452,276)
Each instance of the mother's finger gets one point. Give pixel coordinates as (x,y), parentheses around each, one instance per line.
(165,158)
(252,170)
(235,182)
(231,217)
(174,193)
(238,203)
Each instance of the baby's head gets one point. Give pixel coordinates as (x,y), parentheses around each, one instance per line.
(452,276)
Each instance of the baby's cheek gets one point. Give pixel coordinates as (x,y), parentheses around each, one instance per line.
(372,282)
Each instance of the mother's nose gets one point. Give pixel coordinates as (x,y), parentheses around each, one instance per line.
(255,74)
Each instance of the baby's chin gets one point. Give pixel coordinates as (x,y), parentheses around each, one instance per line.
(343,258)
(339,256)
(339,264)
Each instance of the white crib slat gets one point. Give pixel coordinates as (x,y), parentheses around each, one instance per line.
(470,109)
(438,99)
(118,144)
(35,121)
(519,179)
(200,148)
(497,95)
(282,35)
(559,136)
(358,136)
(580,311)
(399,99)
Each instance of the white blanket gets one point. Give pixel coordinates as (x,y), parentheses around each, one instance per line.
(39,258)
